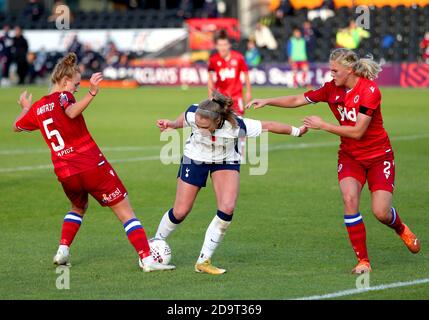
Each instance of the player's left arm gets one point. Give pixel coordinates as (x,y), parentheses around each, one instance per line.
(355,132)
(283,128)
(254,128)
(77,108)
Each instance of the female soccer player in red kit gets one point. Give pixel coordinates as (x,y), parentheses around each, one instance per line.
(226,66)
(79,164)
(365,152)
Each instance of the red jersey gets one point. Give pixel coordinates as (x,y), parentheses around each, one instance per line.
(228,81)
(364,97)
(72,148)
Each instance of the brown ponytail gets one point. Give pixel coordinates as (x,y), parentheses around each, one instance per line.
(218,108)
(66,67)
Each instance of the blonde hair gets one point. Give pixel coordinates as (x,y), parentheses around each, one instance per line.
(218,108)
(66,67)
(362,67)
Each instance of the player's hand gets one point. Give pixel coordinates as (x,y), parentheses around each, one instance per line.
(164,124)
(257,103)
(24,101)
(95,80)
(313,122)
(302,130)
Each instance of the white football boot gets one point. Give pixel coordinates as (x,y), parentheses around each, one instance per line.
(62,258)
(153,265)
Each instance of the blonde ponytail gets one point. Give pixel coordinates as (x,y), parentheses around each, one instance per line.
(362,67)
(66,67)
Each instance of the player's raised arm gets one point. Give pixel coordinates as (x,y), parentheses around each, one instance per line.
(283,102)
(25,103)
(77,108)
(283,128)
(164,124)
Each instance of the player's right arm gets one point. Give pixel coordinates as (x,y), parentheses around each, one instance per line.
(25,121)
(77,108)
(210,84)
(164,124)
(283,102)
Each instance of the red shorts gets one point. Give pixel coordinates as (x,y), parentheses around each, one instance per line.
(380,171)
(299,65)
(238,105)
(102,183)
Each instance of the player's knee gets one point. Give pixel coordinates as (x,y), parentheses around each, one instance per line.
(180,212)
(351,202)
(227,207)
(382,213)
(79,210)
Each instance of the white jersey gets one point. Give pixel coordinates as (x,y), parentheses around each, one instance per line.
(224,145)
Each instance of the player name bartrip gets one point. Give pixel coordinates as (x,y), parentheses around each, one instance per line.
(45,108)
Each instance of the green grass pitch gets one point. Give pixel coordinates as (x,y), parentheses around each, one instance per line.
(287,239)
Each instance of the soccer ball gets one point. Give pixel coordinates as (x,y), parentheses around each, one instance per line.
(160,250)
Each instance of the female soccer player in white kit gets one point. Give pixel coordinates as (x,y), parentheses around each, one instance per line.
(213,147)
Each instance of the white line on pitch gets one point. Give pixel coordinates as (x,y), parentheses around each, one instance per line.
(364,290)
(8,152)
(274,147)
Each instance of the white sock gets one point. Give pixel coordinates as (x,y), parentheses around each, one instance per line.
(148,260)
(167,225)
(64,249)
(214,235)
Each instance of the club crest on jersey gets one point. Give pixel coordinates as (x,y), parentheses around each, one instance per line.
(356,99)
(233,62)
(347,114)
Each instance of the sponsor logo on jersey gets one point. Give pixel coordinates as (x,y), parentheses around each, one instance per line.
(227,73)
(347,114)
(112,196)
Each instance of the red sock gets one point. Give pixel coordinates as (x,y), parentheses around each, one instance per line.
(137,236)
(396,223)
(357,234)
(71,225)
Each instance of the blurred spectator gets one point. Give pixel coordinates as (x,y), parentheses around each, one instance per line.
(37,65)
(123,61)
(424,46)
(264,38)
(110,53)
(252,55)
(33,10)
(19,52)
(210,9)
(185,9)
(91,61)
(310,39)
(387,42)
(6,43)
(76,47)
(297,56)
(351,36)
